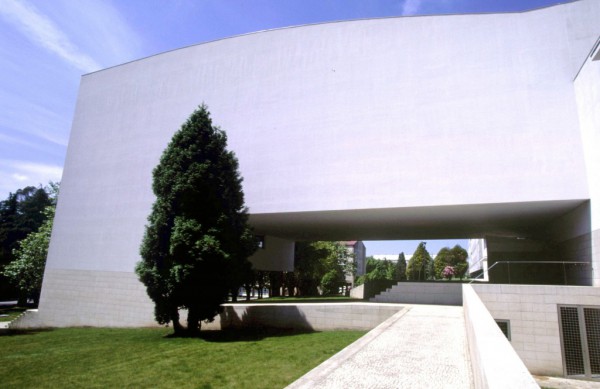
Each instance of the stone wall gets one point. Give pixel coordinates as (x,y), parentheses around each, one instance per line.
(534,323)
(440,293)
(319,317)
(494,362)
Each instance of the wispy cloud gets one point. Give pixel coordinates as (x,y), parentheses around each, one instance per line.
(411,7)
(44,32)
(18,174)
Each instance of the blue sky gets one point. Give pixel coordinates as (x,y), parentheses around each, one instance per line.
(45,47)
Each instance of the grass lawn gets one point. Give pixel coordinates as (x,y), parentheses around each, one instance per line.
(144,358)
(11,312)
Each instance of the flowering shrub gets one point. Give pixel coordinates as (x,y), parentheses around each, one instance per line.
(448,272)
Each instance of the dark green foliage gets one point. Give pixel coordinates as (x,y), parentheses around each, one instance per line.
(320,264)
(455,257)
(420,266)
(378,270)
(400,271)
(276,279)
(21,214)
(197,240)
(26,271)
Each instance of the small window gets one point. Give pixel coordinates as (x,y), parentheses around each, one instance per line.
(504,327)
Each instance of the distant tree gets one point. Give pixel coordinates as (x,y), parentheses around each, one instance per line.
(276,279)
(27,270)
(320,265)
(460,257)
(441,261)
(197,239)
(371,264)
(262,282)
(420,266)
(384,270)
(378,270)
(456,258)
(331,282)
(400,271)
(290,282)
(22,213)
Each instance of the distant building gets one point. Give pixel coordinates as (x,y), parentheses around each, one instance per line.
(478,259)
(357,249)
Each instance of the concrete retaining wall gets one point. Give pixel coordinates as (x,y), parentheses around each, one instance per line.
(439,293)
(320,317)
(495,364)
(358,292)
(533,314)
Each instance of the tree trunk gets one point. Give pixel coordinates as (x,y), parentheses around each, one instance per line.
(193,322)
(177,328)
(22,301)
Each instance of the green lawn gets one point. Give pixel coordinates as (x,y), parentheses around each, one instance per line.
(144,358)
(11,311)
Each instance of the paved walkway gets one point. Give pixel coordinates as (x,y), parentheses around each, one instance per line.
(422,346)
(564,383)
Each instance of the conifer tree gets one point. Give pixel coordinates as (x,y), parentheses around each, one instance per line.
(400,272)
(198,237)
(420,266)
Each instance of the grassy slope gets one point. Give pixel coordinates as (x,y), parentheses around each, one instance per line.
(90,357)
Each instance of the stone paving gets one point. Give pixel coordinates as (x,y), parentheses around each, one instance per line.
(564,383)
(422,346)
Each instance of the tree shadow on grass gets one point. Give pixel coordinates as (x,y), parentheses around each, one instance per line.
(249,334)
(22,332)
(242,324)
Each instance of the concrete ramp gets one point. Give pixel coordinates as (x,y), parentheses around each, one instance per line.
(422,346)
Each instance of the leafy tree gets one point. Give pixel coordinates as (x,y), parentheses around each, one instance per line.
(320,265)
(371,264)
(197,240)
(420,266)
(378,270)
(400,271)
(456,258)
(275,282)
(21,214)
(384,270)
(27,270)
(331,282)
(290,282)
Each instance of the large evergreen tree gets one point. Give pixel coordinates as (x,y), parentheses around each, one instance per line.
(197,239)
(420,266)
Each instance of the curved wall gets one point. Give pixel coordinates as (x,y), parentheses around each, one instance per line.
(369,116)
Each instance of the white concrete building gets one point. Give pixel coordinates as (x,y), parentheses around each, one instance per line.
(478,263)
(451,126)
(358,252)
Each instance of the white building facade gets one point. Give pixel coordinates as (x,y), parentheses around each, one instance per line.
(452,127)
